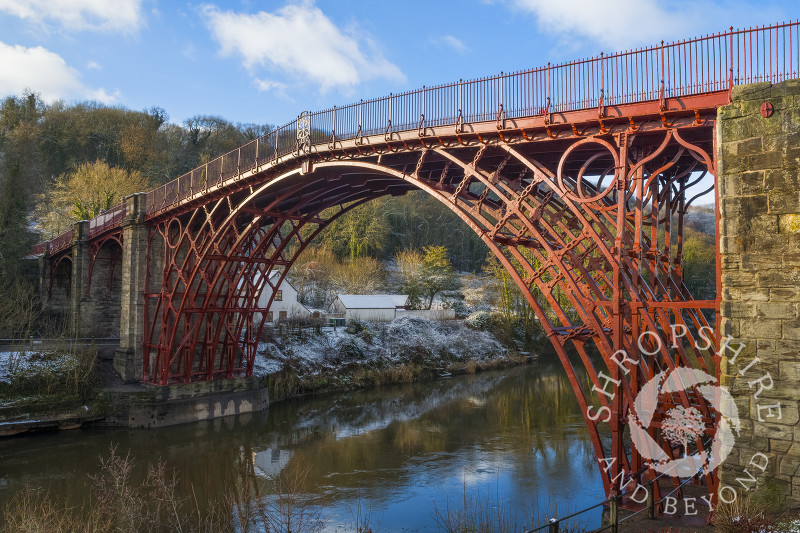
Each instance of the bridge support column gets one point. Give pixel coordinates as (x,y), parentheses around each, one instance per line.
(128,358)
(80,279)
(759,202)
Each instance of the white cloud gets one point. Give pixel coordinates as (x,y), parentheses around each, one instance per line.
(451,41)
(618,24)
(267,85)
(276,87)
(45,72)
(37,69)
(93,65)
(300,43)
(75,15)
(102,96)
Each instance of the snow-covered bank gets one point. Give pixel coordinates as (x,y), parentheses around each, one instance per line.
(369,353)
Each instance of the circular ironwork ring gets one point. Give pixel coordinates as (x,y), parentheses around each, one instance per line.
(577,194)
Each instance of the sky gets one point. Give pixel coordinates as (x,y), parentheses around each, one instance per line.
(266,61)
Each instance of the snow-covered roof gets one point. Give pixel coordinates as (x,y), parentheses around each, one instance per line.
(373,301)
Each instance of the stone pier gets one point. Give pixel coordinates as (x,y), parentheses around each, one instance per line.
(759,201)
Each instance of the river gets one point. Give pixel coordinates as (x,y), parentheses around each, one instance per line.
(510,438)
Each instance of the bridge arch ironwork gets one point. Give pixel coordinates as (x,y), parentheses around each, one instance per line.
(599,269)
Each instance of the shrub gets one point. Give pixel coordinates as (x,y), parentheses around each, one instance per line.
(481,320)
(351,349)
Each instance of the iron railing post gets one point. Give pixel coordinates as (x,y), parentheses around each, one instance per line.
(333,129)
(360,119)
(500,117)
(614,512)
(661,102)
(651,500)
(391,111)
(258,143)
(547,104)
(602,85)
(459,116)
(421,127)
(730,75)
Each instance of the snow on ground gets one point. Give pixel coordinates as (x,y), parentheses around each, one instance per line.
(405,339)
(11,362)
(31,363)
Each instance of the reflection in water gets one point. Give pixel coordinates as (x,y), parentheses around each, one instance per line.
(515,435)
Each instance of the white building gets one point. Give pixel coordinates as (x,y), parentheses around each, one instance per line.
(368,307)
(382,308)
(285,303)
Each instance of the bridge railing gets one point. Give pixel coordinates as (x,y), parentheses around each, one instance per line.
(657,73)
(38,249)
(106,220)
(62,242)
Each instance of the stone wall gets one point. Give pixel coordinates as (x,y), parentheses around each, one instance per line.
(759,195)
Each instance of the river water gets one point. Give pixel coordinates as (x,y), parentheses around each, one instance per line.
(514,440)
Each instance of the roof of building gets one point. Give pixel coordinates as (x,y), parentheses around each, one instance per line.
(373,301)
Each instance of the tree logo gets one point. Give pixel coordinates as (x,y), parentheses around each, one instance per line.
(682,426)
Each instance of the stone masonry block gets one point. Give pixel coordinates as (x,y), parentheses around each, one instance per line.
(765,161)
(784,294)
(757,328)
(784,202)
(789,370)
(781,180)
(771,431)
(753,294)
(739,309)
(730,327)
(752,182)
(749,146)
(731,261)
(787,350)
(738,279)
(731,185)
(789,223)
(751,91)
(731,244)
(791,330)
(779,446)
(775,278)
(787,415)
(747,206)
(782,310)
(758,262)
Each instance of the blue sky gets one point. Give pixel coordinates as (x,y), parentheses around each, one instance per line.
(266,61)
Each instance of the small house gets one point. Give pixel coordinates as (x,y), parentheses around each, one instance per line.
(285,303)
(368,307)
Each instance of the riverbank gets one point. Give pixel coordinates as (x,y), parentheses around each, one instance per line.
(408,349)
(402,453)
(67,388)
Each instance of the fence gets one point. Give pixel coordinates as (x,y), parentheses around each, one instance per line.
(683,68)
(614,520)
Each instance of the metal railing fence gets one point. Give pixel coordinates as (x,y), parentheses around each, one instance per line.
(669,70)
